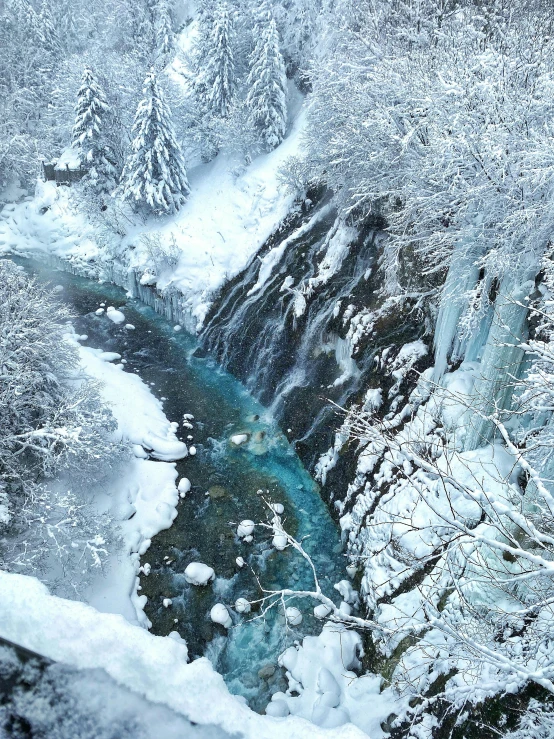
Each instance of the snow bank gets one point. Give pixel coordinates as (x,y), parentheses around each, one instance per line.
(321,671)
(155,667)
(142,496)
(140,417)
(68,703)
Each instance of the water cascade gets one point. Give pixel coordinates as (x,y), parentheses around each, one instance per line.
(288,339)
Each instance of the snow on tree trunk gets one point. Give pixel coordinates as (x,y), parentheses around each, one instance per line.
(154,174)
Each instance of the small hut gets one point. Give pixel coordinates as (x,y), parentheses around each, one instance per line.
(66,170)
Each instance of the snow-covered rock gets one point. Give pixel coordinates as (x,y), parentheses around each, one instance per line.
(115,315)
(351,570)
(184,486)
(293,616)
(197,573)
(242,605)
(279,541)
(321,611)
(347,592)
(278,708)
(220,615)
(245,528)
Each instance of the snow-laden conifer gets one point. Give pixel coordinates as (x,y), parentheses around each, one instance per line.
(90,112)
(217,79)
(89,131)
(24,14)
(165,38)
(266,99)
(47,28)
(154,173)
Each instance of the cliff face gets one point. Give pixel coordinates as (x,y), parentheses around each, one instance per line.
(307,329)
(381,394)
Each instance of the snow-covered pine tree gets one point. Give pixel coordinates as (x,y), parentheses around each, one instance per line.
(165,39)
(47,28)
(154,174)
(89,113)
(217,80)
(266,99)
(89,134)
(24,14)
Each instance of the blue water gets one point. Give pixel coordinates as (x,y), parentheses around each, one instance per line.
(205,527)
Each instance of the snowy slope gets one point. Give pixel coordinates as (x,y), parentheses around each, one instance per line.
(155,667)
(227,218)
(232,210)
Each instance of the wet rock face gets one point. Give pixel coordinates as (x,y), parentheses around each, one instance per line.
(305,364)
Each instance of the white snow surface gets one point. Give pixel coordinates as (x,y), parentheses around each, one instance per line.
(143,487)
(155,667)
(320,670)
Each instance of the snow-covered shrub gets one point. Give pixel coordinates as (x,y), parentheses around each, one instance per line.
(162,255)
(51,422)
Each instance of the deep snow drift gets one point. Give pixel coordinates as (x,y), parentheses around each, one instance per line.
(155,667)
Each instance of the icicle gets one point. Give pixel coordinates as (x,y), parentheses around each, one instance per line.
(463,274)
(501,360)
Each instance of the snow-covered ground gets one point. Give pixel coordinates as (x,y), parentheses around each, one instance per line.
(154,667)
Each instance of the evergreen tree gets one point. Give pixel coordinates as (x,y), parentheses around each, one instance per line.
(47,29)
(217,80)
(89,134)
(26,16)
(266,99)
(165,39)
(154,173)
(90,110)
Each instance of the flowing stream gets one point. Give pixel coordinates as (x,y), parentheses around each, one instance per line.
(225,480)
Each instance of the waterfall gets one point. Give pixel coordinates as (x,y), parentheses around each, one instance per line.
(291,360)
